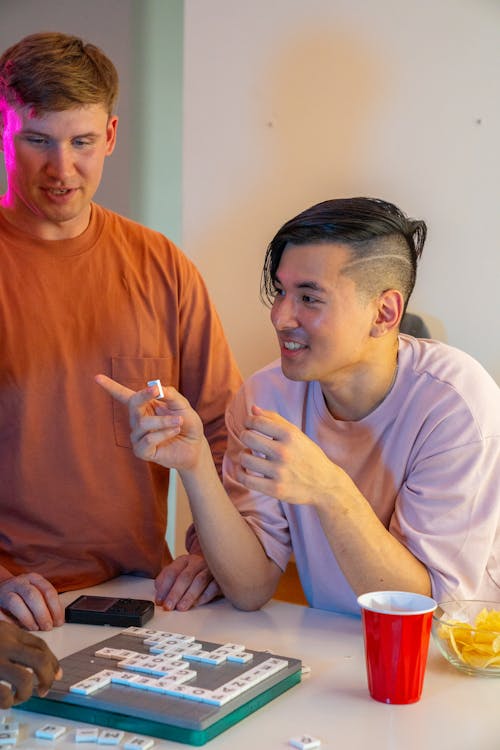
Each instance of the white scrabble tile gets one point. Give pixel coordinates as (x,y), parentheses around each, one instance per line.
(159,386)
(175,638)
(192,647)
(141,682)
(8,738)
(221,696)
(241,657)
(207,657)
(176,684)
(123,678)
(10,726)
(92,683)
(306,742)
(233,688)
(138,743)
(117,653)
(110,737)
(50,731)
(86,734)
(142,632)
(190,692)
(257,674)
(133,630)
(159,668)
(232,647)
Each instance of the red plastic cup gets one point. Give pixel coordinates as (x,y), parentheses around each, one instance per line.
(396,630)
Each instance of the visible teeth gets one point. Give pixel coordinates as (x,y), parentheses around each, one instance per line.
(292,345)
(59,191)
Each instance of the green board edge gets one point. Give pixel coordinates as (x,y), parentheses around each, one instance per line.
(158,729)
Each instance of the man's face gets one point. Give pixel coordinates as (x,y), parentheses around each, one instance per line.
(54,165)
(322,322)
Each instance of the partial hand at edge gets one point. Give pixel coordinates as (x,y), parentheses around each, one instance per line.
(21,655)
(31,601)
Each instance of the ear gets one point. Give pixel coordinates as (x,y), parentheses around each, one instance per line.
(111,128)
(389,312)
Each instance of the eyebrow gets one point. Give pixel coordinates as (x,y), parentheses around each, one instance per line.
(304,285)
(32,131)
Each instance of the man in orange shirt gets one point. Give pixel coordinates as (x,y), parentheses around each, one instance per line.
(84,290)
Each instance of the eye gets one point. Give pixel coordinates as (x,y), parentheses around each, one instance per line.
(308,300)
(37,140)
(81,142)
(277,292)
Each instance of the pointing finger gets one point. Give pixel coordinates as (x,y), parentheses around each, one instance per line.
(116,390)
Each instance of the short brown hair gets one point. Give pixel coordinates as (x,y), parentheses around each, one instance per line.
(51,71)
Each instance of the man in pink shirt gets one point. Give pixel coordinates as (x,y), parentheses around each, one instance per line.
(372,455)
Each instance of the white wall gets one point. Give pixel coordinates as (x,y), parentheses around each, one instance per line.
(287,103)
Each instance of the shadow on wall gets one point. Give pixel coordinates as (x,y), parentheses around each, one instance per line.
(303,121)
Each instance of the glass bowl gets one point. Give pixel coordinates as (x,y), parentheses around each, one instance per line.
(467,632)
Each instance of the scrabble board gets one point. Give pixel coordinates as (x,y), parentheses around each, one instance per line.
(167,685)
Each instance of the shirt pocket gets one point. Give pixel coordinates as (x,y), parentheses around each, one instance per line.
(134,373)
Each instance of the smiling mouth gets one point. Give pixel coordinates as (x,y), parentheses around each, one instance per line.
(293,346)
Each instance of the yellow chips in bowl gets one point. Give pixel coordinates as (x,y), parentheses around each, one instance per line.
(476,644)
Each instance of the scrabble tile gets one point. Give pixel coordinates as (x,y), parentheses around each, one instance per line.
(86,734)
(207,657)
(179,678)
(234,687)
(10,726)
(306,742)
(117,653)
(110,737)
(222,695)
(158,636)
(123,678)
(8,738)
(142,632)
(158,385)
(133,630)
(232,647)
(192,647)
(200,695)
(138,743)
(241,657)
(151,665)
(50,731)
(141,682)
(92,683)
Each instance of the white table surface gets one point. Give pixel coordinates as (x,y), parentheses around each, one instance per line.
(456,711)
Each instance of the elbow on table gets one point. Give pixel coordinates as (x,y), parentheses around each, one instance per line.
(249,598)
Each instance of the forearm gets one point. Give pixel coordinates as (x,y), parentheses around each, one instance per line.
(370,557)
(234,554)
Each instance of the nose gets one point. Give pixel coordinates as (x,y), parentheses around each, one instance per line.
(60,163)
(283,313)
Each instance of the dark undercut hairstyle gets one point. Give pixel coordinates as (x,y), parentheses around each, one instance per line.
(51,72)
(384,244)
